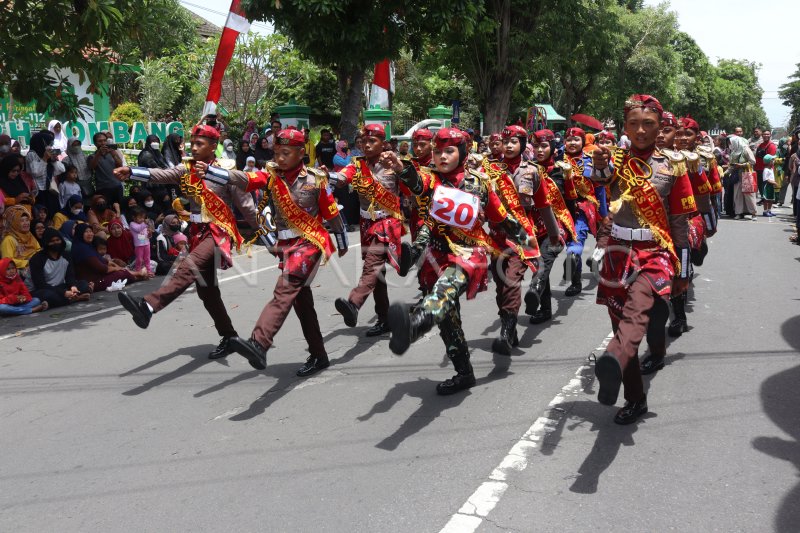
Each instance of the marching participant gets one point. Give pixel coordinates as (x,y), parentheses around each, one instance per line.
(301,204)
(495,147)
(381,228)
(538,300)
(212,230)
(648,247)
(454,203)
(524,195)
(423,150)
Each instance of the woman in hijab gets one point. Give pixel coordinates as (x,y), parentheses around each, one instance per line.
(245,151)
(100,215)
(165,241)
(227,150)
(173,150)
(741,158)
(90,266)
(262,152)
(38,230)
(77,159)
(18,243)
(59,139)
(249,130)
(73,210)
(120,242)
(151,156)
(67,231)
(54,275)
(44,167)
(14,188)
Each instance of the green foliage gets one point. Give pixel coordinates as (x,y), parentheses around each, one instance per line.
(790,94)
(157,89)
(129,112)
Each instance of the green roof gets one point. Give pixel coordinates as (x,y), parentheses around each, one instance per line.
(552,114)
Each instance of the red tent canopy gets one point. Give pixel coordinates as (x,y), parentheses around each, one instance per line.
(587,120)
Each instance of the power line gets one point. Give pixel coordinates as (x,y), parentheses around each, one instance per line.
(220,13)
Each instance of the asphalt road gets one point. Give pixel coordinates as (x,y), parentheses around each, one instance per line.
(106,427)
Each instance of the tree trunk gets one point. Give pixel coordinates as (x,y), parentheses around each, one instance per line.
(351,84)
(498,102)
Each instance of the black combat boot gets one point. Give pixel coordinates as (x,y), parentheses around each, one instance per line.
(407,326)
(631,412)
(533,297)
(464,378)
(609,376)
(137,307)
(678,326)
(508,334)
(575,287)
(223,348)
(251,350)
(409,255)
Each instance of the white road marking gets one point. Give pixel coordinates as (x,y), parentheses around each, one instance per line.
(22,332)
(478,506)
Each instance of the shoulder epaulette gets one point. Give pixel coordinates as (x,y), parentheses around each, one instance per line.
(320,177)
(227,164)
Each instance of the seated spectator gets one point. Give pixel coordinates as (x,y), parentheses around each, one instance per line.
(100,215)
(67,230)
(173,150)
(130,204)
(53,274)
(120,242)
(244,152)
(76,158)
(38,231)
(227,150)
(18,243)
(151,156)
(165,243)
(15,299)
(14,187)
(40,214)
(90,266)
(73,210)
(250,164)
(181,249)
(69,185)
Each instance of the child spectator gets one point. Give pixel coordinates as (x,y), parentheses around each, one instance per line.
(250,164)
(69,186)
(181,248)
(53,274)
(73,210)
(14,296)
(140,231)
(768,195)
(120,243)
(38,231)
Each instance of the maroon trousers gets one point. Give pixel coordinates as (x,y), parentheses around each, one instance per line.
(644,313)
(200,268)
(290,291)
(508,273)
(373,280)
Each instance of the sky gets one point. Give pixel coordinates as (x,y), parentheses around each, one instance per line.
(724,29)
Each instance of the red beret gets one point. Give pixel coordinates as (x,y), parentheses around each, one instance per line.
(690,124)
(605,134)
(204,130)
(374,130)
(643,101)
(291,137)
(422,133)
(575,132)
(449,137)
(543,136)
(668,119)
(495,137)
(514,131)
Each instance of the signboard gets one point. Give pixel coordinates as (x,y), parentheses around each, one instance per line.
(21,130)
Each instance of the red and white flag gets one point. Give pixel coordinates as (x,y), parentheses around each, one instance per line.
(382,85)
(235,24)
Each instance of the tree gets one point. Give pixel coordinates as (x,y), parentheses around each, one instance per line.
(736,95)
(351,36)
(790,94)
(157,89)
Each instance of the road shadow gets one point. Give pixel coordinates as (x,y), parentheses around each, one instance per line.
(199,358)
(780,397)
(284,373)
(432,405)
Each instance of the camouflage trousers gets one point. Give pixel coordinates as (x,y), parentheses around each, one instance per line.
(444,306)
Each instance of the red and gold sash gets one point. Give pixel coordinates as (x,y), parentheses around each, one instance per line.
(212,207)
(559,206)
(510,198)
(368,187)
(633,177)
(298,219)
(583,186)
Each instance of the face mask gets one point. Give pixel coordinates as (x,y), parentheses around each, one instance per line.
(175,227)
(149,203)
(5,149)
(74,149)
(101,207)
(55,247)
(154,146)
(77,211)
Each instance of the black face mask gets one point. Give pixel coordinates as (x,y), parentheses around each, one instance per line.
(101,207)
(175,227)
(56,248)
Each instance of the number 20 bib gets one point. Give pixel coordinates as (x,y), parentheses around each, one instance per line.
(455,207)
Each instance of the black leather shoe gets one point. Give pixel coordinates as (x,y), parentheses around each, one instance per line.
(406,258)
(455,384)
(508,334)
(312,366)
(631,412)
(541,316)
(574,289)
(677,328)
(348,310)
(532,298)
(609,375)
(251,350)
(379,328)
(652,364)
(137,307)
(222,349)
